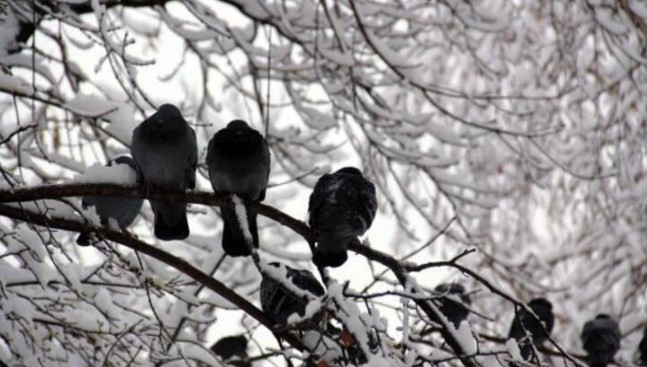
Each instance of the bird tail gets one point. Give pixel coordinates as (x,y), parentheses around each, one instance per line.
(233,239)
(170,221)
(599,359)
(330,252)
(83,239)
(525,347)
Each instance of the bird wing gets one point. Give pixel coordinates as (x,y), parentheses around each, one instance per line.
(306,281)
(193,159)
(135,152)
(267,157)
(320,194)
(642,349)
(267,162)
(359,194)
(600,337)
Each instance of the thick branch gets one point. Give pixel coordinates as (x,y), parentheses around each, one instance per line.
(175,262)
(400,269)
(24,194)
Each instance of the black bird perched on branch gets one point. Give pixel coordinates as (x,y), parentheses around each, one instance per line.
(239,163)
(122,210)
(527,330)
(642,350)
(279,303)
(455,311)
(232,346)
(601,340)
(342,206)
(166,154)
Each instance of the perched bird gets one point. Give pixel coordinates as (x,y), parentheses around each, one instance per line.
(239,163)
(601,340)
(342,206)
(231,346)
(642,350)
(455,311)
(277,302)
(527,330)
(122,210)
(166,154)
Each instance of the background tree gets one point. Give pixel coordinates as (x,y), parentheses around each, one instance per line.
(515,129)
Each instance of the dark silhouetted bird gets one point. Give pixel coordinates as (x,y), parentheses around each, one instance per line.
(232,346)
(527,330)
(122,210)
(455,311)
(239,163)
(277,302)
(642,350)
(342,206)
(166,154)
(601,340)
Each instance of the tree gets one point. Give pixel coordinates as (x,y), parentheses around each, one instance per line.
(506,140)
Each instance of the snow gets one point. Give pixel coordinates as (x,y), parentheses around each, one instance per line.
(513,349)
(91,105)
(90,214)
(121,115)
(25,61)
(488,361)
(377,361)
(10,27)
(199,353)
(14,84)
(341,58)
(328,349)
(122,122)
(540,228)
(102,299)
(312,308)
(31,240)
(639,7)
(241,213)
(606,18)
(465,338)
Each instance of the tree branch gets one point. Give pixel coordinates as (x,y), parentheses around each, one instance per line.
(175,262)
(401,269)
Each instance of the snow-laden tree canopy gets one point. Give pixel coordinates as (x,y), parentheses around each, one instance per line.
(506,139)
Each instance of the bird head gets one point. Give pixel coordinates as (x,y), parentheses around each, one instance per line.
(602,316)
(451,288)
(238,126)
(455,289)
(333,259)
(241,341)
(167,112)
(540,303)
(165,124)
(350,171)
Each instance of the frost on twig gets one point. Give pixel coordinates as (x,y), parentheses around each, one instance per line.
(506,141)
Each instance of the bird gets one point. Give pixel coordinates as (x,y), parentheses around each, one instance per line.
(601,340)
(642,350)
(279,303)
(232,346)
(165,151)
(342,206)
(455,311)
(527,330)
(238,159)
(123,210)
